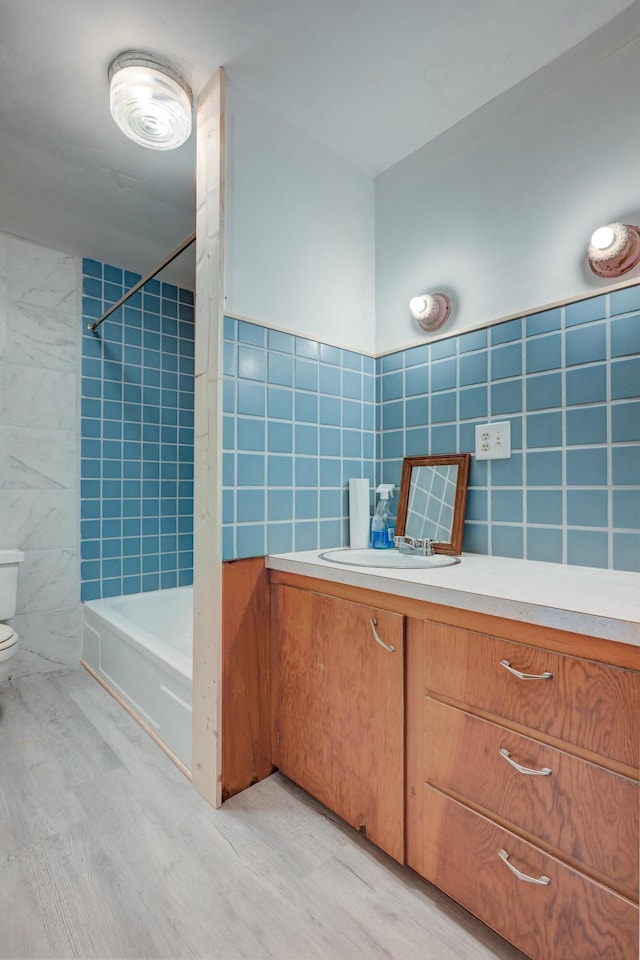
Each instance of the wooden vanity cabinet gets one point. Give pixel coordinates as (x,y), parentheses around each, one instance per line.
(530,794)
(338,708)
(518,795)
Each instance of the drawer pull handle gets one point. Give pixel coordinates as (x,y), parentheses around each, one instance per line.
(543,881)
(544,772)
(378,639)
(525,676)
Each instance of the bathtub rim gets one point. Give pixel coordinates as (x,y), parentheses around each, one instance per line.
(135,635)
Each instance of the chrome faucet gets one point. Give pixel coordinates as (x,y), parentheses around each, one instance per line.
(424,547)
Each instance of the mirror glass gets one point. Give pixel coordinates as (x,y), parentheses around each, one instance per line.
(433,495)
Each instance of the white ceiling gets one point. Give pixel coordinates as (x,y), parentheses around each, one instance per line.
(372,80)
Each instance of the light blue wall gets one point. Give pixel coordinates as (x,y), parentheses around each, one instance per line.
(497,211)
(136,436)
(299,230)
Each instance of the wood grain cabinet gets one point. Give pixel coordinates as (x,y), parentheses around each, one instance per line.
(338,708)
(498,760)
(530,770)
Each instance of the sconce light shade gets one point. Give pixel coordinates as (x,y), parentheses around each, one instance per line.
(431,310)
(614,250)
(149,100)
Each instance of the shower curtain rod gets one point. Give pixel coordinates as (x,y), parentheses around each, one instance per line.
(165,263)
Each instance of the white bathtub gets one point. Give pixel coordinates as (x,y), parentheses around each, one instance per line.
(140,646)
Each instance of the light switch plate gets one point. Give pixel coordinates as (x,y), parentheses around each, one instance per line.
(493,441)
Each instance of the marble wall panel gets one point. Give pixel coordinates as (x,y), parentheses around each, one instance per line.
(55,635)
(40,331)
(33,397)
(41,337)
(42,276)
(42,459)
(4,463)
(37,520)
(48,580)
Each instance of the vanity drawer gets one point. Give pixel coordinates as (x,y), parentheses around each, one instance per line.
(582,702)
(586,812)
(569,918)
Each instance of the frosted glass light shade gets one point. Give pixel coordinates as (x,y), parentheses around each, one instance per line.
(614,250)
(431,310)
(149,101)
(603,238)
(423,307)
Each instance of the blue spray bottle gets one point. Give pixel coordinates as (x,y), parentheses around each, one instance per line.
(382,525)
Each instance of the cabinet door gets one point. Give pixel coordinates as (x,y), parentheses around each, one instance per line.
(338,708)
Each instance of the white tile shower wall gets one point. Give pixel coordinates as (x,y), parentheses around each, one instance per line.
(39,489)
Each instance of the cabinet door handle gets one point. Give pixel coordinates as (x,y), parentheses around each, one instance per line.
(525,676)
(378,639)
(543,881)
(543,772)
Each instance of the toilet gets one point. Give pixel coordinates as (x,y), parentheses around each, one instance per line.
(9,560)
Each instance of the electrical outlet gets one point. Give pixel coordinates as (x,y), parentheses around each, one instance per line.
(493,441)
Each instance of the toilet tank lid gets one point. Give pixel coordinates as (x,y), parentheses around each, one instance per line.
(11,556)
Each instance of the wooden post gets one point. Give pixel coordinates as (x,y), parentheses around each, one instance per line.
(207,626)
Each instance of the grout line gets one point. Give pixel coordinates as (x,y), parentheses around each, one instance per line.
(563,351)
(609,447)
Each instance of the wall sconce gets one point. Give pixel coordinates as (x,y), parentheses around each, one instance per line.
(431,310)
(149,100)
(614,250)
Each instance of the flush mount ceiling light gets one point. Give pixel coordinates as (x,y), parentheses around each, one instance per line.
(149,100)
(614,249)
(431,310)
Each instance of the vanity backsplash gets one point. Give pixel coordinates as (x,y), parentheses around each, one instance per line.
(301,418)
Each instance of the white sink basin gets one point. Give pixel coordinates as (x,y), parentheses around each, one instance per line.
(391,559)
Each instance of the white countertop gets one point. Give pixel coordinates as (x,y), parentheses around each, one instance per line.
(587,600)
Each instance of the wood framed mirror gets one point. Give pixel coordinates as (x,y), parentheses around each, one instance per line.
(432,500)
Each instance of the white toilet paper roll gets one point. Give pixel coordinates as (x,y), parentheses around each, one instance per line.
(359,518)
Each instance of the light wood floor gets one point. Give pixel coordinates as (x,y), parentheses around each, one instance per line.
(106,851)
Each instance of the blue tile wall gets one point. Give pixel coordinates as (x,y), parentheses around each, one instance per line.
(299,422)
(568,381)
(137,436)
(300,418)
